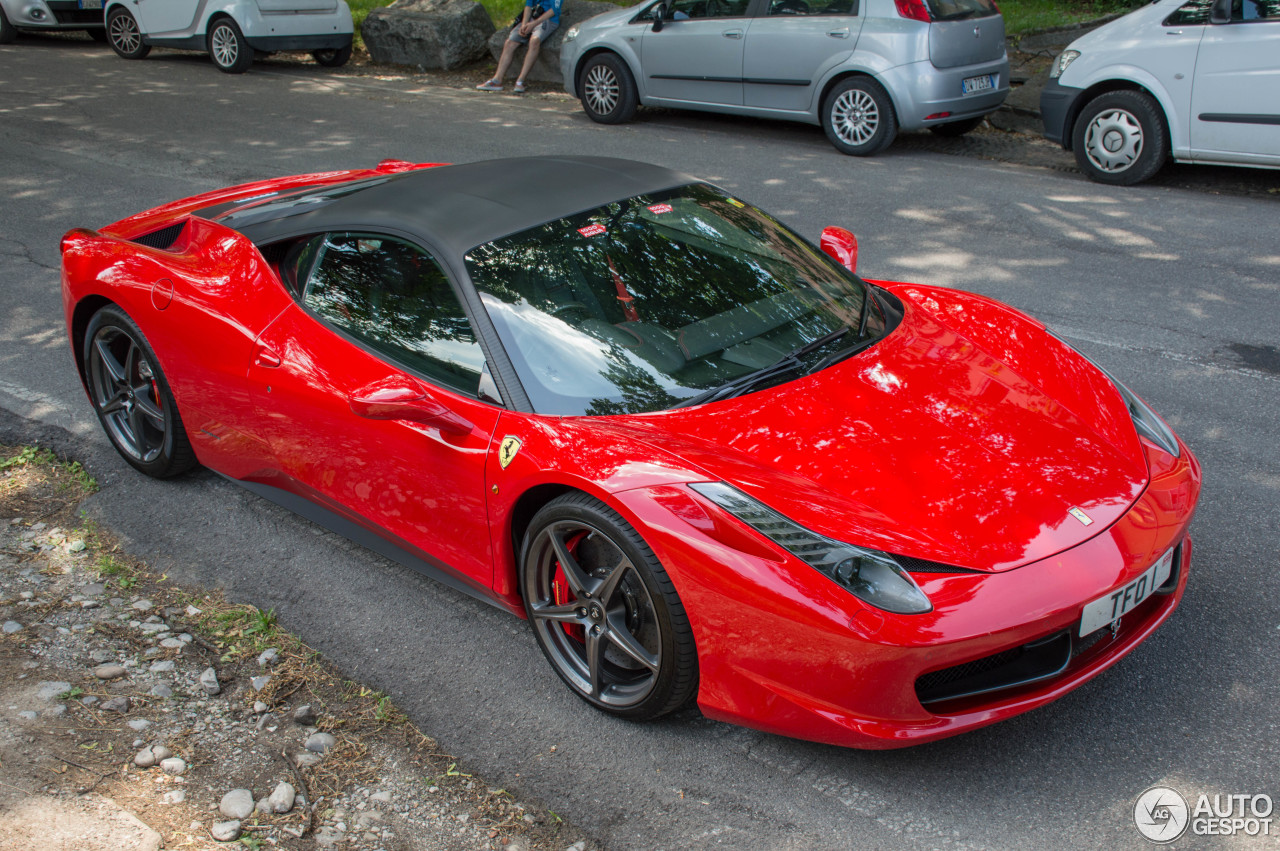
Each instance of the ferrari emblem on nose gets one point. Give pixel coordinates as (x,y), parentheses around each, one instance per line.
(1085,519)
(507,452)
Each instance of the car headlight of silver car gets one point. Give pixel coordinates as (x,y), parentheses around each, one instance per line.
(1062,62)
(570,34)
(870,575)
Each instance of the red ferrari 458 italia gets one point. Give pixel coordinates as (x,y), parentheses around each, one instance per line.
(699,454)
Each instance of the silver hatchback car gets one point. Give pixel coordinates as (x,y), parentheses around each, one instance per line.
(862,69)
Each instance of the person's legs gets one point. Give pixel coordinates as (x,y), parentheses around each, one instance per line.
(530,55)
(504,62)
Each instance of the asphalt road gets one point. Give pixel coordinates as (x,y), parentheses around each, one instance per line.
(1175,290)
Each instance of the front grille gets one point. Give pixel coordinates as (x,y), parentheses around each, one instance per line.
(1036,660)
(919,565)
(162,239)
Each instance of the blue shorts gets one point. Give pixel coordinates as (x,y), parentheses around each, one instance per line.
(542,32)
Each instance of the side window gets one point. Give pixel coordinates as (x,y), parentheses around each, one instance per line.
(683,10)
(396,299)
(1193,13)
(813,7)
(1255,10)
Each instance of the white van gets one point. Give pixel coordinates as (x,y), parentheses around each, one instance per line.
(1198,80)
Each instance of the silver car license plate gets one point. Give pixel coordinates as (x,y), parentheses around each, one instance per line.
(978,84)
(90,4)
(1110,607)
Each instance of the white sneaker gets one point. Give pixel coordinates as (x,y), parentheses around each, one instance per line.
(519,89)
(490,86)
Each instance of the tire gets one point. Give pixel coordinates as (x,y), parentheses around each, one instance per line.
(607,90)
(858,117)
(227,47)
(604,611)
(132,397)
(1120,138)
(7,33)
(334,57)
(98,34)
(956,129)
(124,36)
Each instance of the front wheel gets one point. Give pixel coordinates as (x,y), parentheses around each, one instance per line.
(858,117)
(132,397)
(332,57)
(604,611)
(124,36)
(607,90)
(227,47)
(1120,138)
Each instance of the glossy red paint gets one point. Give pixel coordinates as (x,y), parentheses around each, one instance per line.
(964,438)
(842,246)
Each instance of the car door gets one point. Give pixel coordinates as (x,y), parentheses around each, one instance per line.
(791,47)
(1235,100)
(166,17)
(697,55)
(373,394)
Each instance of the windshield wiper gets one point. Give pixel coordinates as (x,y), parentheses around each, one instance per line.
(743,383)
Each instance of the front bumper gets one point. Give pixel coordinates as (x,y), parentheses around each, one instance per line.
(1057,109)
(783,649)
(56,15)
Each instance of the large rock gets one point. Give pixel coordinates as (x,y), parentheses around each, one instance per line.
(428,33)
(547,68)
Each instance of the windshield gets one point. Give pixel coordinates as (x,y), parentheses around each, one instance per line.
(648,302)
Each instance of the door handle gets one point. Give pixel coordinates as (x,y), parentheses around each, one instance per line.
(402,398)
(264,355)
(732,33)
(844,33)
(1173,32)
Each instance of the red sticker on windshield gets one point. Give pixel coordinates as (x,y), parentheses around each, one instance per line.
(660,208)
(592,230)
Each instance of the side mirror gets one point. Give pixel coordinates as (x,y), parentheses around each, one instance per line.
(402,398)
(842,246)
(659,17)
(1220,12)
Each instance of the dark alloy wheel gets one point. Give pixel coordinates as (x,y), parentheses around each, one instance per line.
(132,397)
(858,117)
(605,612)
(332,57)
(607,90)
(954,129)
(124,36)
(228,48)
(1120,138)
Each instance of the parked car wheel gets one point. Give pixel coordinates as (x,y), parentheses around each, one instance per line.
(607,90)
(7,33)
(1120,138)
(132,397)
(124,36)
(954,129)
(227,47)
(604,611)
(333,57)
(858,117)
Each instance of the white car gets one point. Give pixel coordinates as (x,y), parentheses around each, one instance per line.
(50,16)
(232,30)
(1198,80)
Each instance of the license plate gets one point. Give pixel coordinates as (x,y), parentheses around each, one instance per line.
(978,84)
(90,4)
(1109,608)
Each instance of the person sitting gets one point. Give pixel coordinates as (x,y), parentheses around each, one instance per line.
(538,21)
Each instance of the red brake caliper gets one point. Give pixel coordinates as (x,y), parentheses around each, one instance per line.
(560,593)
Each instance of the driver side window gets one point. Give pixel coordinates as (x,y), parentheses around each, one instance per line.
(396,299)
(683,10)
(812,7)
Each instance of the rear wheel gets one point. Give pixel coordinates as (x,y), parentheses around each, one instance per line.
(124,36)
(332,57)
(132,398)
(1120,138)
(227,47)
(607,90)
(858,117)
(604,611)
(953,129)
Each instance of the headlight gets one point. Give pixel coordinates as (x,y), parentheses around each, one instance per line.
(1065,58)
(571,34)
(1145,420)
(871,576)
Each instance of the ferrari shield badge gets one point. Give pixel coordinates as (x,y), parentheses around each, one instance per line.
(1085,519)
(507,452)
